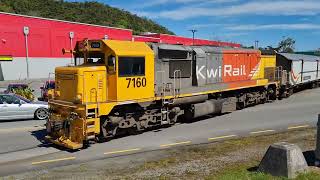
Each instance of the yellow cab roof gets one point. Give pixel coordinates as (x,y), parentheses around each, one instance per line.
(128,48)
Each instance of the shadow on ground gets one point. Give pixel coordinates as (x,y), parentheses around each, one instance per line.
(15,120)
(40,135)
(310,157)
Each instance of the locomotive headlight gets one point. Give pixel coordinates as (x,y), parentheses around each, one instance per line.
(78,99)
(56,93)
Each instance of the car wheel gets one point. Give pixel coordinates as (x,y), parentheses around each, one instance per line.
(41,114)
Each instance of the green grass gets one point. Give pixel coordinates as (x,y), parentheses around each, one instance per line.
(243,174)
(240,172)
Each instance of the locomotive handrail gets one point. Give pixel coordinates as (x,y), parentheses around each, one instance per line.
(176,73)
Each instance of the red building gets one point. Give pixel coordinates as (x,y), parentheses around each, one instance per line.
(36,43)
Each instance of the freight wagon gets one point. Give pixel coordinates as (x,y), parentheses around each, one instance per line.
(300,71)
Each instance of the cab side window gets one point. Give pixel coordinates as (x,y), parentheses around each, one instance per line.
(111,64)
(131,66)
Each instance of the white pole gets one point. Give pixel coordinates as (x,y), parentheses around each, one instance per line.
(26,33)
(71,35)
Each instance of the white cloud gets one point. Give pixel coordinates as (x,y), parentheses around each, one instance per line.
(164,2)
(278,7)
(235,34)
(254,27)
(207,25)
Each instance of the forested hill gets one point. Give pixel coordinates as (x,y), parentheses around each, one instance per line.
(85,12)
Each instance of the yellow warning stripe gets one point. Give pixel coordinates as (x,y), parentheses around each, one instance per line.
(297,127)
(264,131)
(174,144)
(122,151)
(6,58)
(222,137)
(53,160)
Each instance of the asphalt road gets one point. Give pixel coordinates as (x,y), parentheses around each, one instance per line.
(21,147)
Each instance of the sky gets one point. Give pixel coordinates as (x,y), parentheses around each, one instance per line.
(241,21)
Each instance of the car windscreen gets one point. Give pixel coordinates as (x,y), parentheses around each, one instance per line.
(22,98)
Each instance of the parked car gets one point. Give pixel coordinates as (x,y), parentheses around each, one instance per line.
(13,106)
(13,86)
(21,89)
(47,90)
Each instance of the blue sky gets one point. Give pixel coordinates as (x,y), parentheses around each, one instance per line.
(242,21)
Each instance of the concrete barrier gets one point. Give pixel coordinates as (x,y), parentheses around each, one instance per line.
(283,159)
(317,151)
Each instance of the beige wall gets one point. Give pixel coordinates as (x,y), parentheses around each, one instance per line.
(38,67)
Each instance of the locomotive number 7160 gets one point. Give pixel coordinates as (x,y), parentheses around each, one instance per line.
(136,82)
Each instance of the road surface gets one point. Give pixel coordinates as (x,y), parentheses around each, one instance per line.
(21,147)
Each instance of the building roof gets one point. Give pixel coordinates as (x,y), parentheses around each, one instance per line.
(64,21)
(299,57)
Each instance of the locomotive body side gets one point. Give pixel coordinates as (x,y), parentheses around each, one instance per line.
(205,70)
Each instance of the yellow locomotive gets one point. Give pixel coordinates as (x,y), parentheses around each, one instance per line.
(123,86)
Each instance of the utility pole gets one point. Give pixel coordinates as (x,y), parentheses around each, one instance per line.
(256,44)
(193,31)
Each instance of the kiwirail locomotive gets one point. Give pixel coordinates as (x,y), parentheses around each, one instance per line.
(122,86)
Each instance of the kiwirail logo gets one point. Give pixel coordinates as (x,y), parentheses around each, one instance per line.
(226,70)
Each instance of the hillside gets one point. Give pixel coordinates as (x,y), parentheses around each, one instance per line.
(85,12)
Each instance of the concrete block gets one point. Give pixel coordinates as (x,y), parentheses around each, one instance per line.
(317,151)
(283,159)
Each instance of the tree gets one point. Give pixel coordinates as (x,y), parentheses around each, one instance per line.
(286,45)
(91,12)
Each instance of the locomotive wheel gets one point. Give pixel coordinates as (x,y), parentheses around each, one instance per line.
(100,138)
(290,92)
(132,131)
(241,105)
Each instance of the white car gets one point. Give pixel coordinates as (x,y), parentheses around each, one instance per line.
(16,107)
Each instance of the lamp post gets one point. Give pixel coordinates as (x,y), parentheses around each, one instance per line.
(193,31)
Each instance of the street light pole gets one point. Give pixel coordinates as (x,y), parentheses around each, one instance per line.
(193,31)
